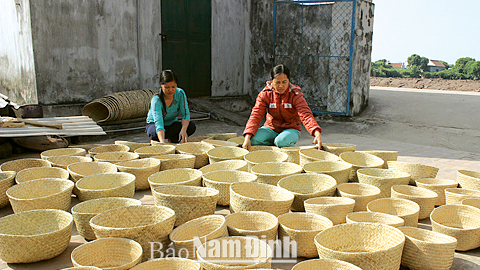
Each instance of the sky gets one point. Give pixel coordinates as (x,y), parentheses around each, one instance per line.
(437,29)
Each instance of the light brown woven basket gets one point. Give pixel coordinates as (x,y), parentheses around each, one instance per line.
(233,164)
(384,179)
(311,155)
(249,196)
(425,249)
(115,157)
(63,152)
(302,228)
(24,163)
(271,172)
(423,197)
(108,148)
(263,156)
(308,185)
(102,185)
(359,161)
(162,143)
(438,186)
(222,136)
(468,179)
(293,152)
(235,256)
(238,140)
(254,148)
(416,171)
(198,138)
(366,245)
(155,150)
(326,264)
(253,223)
(176,161)
(132,145)
(83,212)
(337,169)
(39,173)
(180,176)
(375,217)
(168,263)
(64,161)
(188,202)
(81,169)
(475,202)
(45,232)
(361,193)
(334,208)
(48,193)
(142,169)
(82,268)
(457,195)
(338,148)
(108,253)
(221,181)
(459,221)
(226,153)
(141,223)
(7,180)
(403,208)
(201,229)
(220,143)
(383,154)
(198,149)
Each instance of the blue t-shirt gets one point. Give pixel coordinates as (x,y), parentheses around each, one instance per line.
(179,107)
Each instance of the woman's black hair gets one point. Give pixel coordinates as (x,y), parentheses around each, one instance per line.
(166,77)
(279,69)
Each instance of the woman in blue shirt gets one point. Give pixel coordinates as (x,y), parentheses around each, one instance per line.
(170,102)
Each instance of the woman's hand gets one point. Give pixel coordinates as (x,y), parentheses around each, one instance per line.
(182,136)
(161,135)
(318,140)
(246,142)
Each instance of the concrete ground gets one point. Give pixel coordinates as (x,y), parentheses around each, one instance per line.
(434,128)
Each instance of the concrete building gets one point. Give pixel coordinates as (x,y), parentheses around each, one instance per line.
(435,66)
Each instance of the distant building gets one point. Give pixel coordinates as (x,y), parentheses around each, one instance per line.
(435,66)
(398,65)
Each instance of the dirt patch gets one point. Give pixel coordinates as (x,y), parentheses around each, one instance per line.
(439,84)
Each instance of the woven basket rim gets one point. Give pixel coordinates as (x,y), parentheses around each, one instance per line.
(79,206)
(339,199)
(70,166)
(409,163)
(144,150)
(215,142)
(206,146)
(88,177)
(212,152)
(432,194)
(298,168)
(279,189)
(463,191)
(247,156)
(167,259)
(334,261)
(369,173)
(322,178)
(9,175)
(437,235)
(207,179)
(47,152)
(54,161)
(38,211)
(367,186)
(442,182)
(254,262)
(376,161)
(26,159)
(172,171)
(466,200)
(444,207)
(36,181)
(304,215)
(260,213)
(180,156)
(347,166)
(367,213)
(114,153)
(211,191)
(307,153)
(220,163)
(196,220)
(400,200)
(142,160)
(93,150)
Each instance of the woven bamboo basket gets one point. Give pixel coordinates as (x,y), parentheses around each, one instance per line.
(39,173)
(155,150)
(45,232)
(457,195)
(142,169)
(198,149)
(375,217)
(403,208)
(326,264)
(132,145)
(141,223)
(262,156)
(366,245)
(180,176)
(235,256)
(115,157)
(24,163)
(271,172)
(475,202)
(311,155)
(222,136)
(64,161)
(385,155)
(253,223)
(226,153)
(108,253)
(302,228)
(221,181)
(361,193)
(233,164)
(168,263)
(7,180)
(82,268)
(63,152)
(220,143)
(338,148)
(384,179)
(337,169)
(333,208)
(254,148)
(416,171)
(438,186)
(108,148)
(175,161)
(249,196)
(360,161)
(102,185)
(153,143)
(425,198)
(83,212)
(425,249)
(293,152)
(81,169)
(238,140)
(468,179)
(308,185)
(48,193)
(203,228)
(459,221)
(188,202)
(198,138)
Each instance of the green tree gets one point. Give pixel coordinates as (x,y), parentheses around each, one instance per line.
(472,68)
(417,60)
(461,63)
(447,65)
